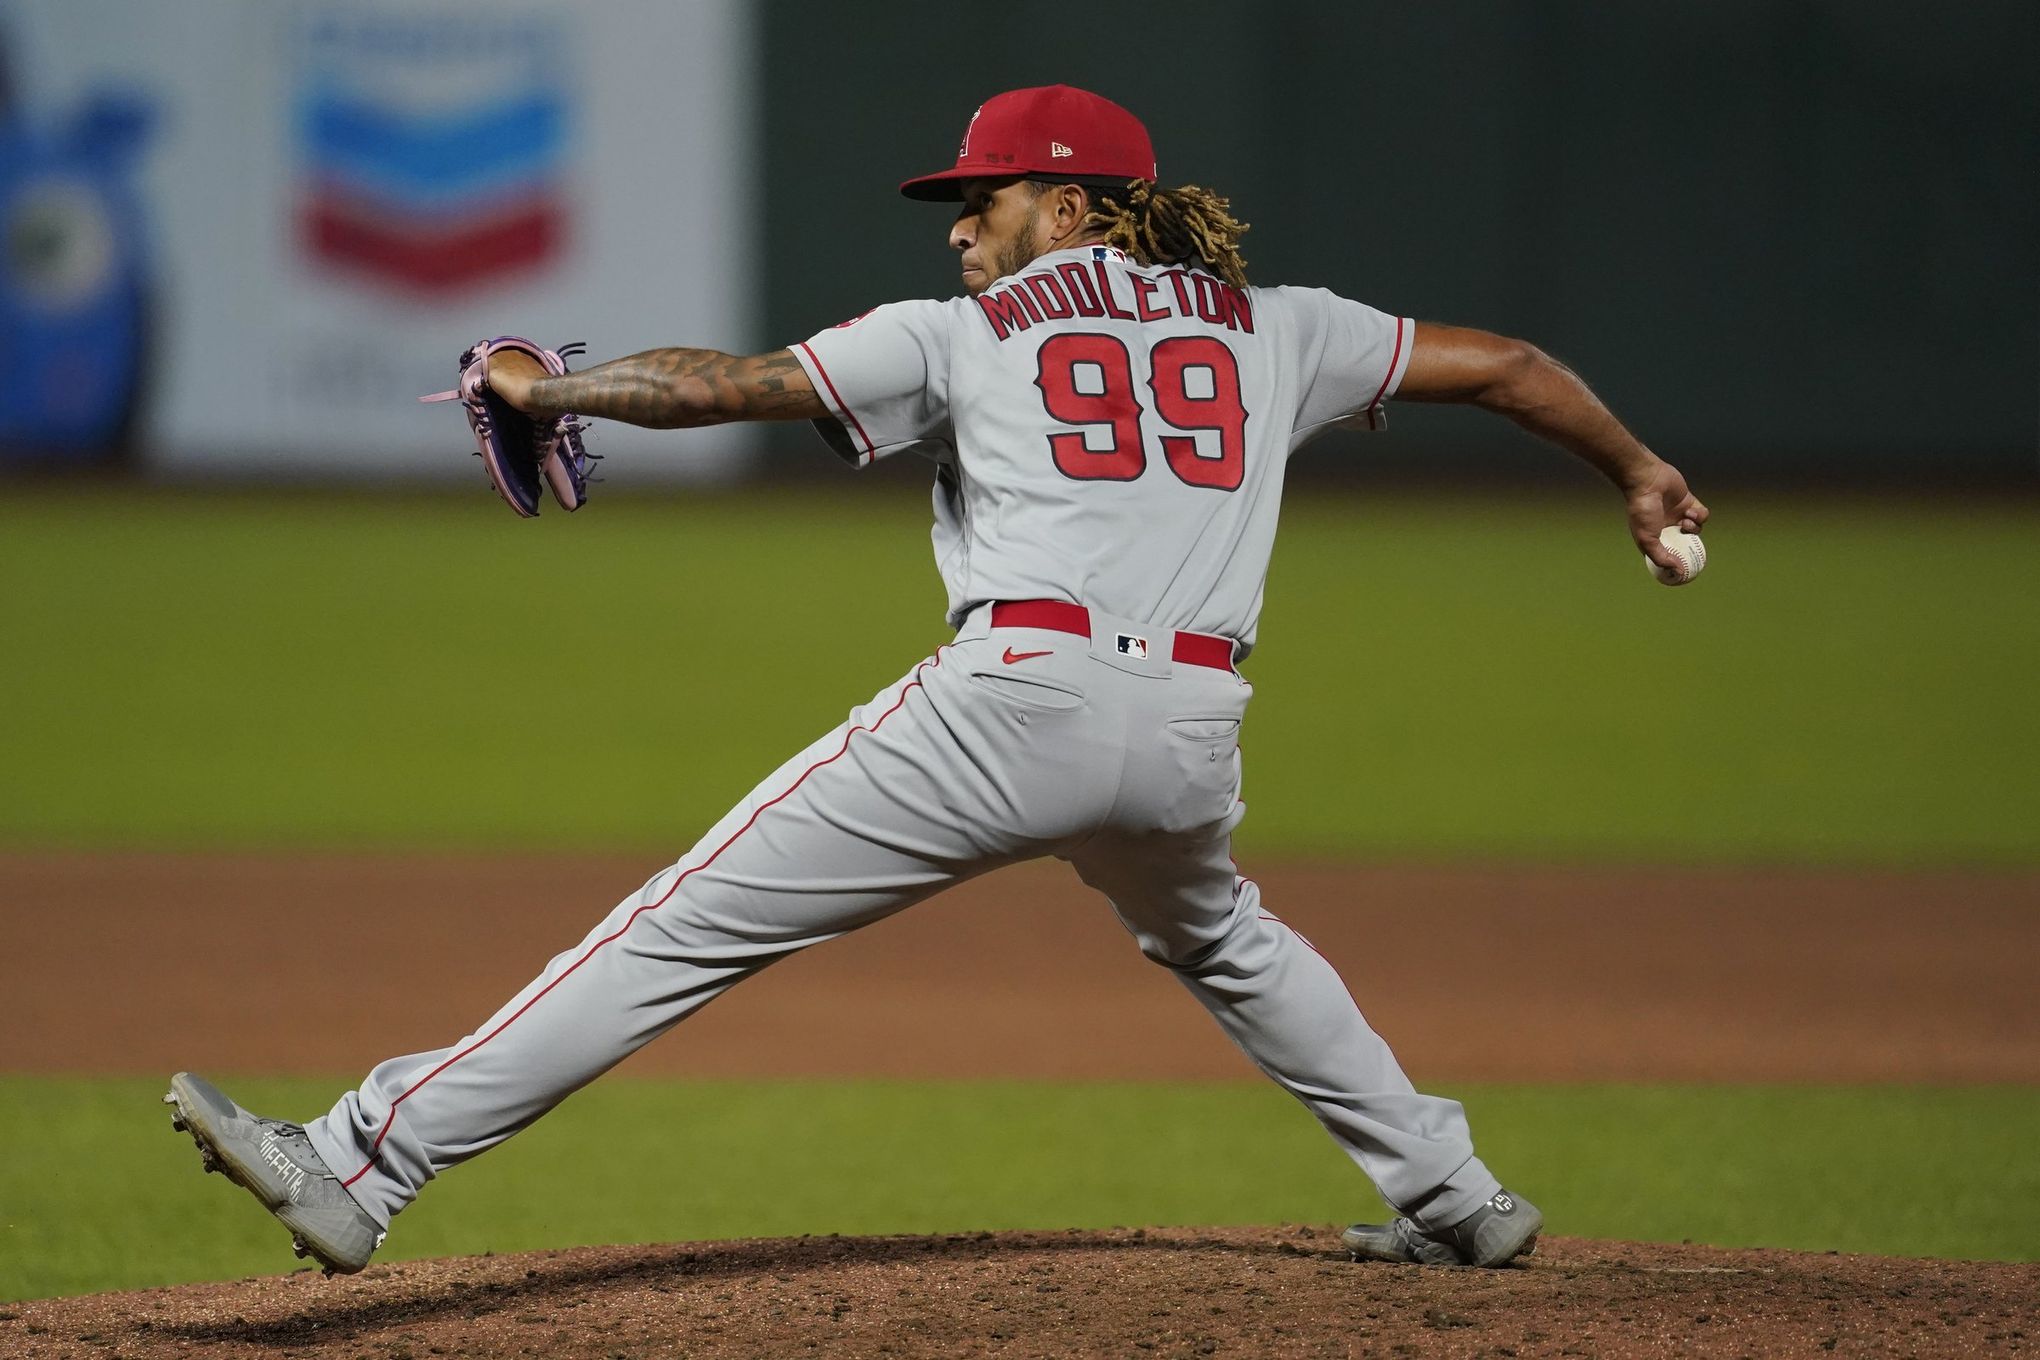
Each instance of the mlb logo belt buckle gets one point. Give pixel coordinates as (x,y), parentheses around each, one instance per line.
(1193,649)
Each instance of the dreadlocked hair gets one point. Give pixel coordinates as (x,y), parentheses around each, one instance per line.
(1171,226)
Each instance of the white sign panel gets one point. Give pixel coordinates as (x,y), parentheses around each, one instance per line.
(337,197)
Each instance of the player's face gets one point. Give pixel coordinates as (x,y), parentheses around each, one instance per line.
(998,232)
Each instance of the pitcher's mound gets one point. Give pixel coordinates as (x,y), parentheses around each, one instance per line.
(1157,1292)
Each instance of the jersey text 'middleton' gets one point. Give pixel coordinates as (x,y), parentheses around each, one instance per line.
(1072,289)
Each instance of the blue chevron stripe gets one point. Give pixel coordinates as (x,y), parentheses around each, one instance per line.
(439,157)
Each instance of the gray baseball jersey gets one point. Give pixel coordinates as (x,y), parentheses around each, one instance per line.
(1108,434)
(1109,437)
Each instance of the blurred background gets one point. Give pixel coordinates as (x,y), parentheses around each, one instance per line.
(1793,240)
(268,639)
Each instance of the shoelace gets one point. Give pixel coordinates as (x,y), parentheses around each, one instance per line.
(296,1142)
(1417,1241)
(572,427)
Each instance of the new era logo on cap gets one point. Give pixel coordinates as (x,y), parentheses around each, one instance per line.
(1058,150)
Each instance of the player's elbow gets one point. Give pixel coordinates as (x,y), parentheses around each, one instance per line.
(1475,367)
(1518,378)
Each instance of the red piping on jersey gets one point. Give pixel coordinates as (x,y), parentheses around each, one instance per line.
(1294,931)
(870,448)
(390,1119)
(1374,405)
(1240,881)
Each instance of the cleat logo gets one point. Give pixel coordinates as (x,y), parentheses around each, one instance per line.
(293,1175)
(1503,1203)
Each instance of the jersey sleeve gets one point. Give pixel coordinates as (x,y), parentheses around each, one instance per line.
(1352,358)
(884,377)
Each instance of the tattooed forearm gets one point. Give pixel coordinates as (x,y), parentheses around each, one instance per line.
(674,388)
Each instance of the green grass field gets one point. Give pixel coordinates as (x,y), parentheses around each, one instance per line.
(119,1202)
(1439,679)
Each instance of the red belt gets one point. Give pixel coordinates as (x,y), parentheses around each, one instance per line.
(1192,649)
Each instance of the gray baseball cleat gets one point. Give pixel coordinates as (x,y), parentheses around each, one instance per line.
(1495,1234)
(274,1162)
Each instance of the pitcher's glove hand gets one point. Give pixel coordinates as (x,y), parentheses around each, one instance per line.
(519,450)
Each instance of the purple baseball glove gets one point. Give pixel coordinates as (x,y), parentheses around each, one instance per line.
(522,451)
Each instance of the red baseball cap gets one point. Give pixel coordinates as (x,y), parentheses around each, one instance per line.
(1054,130)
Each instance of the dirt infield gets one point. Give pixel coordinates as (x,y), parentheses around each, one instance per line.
(137,963)
(144,964)
(1174,1293)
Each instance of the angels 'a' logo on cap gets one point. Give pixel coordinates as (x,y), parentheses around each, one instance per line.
(963,149)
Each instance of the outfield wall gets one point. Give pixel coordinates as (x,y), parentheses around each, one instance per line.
(1788,239)
(1793,238)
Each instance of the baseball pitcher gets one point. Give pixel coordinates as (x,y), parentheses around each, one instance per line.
(1109,408)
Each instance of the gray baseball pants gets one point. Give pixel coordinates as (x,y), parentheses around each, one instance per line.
(1126,766)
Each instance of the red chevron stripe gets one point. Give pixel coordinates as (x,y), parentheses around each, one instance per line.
(434,259)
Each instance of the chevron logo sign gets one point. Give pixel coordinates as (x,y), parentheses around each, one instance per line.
(432,146)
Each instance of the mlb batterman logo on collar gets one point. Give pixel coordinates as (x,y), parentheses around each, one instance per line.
(1050,129)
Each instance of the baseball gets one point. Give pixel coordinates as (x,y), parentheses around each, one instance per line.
(1689,550)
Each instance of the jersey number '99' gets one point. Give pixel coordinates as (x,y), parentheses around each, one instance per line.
(1107,368)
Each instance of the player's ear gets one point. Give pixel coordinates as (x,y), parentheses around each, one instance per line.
(1072,206)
